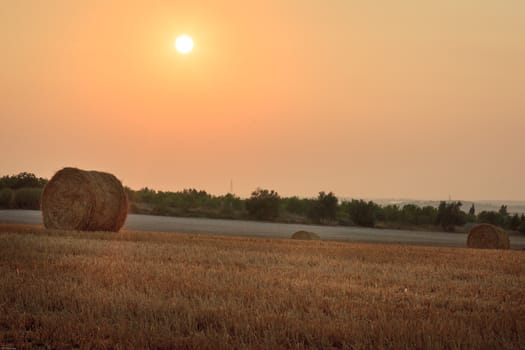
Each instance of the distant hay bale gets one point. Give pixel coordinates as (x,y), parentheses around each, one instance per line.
(82,200)
(488,237)
(305,235)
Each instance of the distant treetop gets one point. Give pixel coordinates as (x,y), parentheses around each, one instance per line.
(22,180)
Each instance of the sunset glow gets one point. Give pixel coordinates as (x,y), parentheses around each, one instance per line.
(184,44)
(366,99)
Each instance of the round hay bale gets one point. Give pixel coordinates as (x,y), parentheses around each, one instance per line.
(487,236)
(305,235)
(82,200)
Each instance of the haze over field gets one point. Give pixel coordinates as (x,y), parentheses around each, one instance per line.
(396,99)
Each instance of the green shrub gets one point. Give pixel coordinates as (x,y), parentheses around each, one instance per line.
(6,196)
(27,198)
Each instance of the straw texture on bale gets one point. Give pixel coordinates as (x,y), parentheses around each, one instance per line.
(488,237)
(305,235)
(82,200)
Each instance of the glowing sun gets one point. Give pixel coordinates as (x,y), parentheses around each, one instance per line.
(184,44)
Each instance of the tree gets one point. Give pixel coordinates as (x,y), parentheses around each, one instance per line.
(427,215)
(491,217)
(503,211)
(363,213)
(6,196)
(130,193)
(22,180)
(514,222)
(145,195)
(450,215)
(521,227)
(471,216)
(228,203)
(410,214)
(27,198)
(390,212)
(296,205)
(324,208)
(472,210)
(263,204)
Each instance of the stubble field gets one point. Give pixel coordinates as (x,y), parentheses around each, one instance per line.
(61,289)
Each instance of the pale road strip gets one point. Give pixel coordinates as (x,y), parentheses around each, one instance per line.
(266,229)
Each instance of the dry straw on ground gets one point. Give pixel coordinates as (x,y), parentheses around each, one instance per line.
(76,199)
(488,237)
(305,235)
(147,290)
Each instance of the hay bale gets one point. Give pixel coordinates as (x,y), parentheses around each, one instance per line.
(488,237)
(305,235)
(82,200)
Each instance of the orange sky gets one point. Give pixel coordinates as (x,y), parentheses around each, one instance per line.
(393,99)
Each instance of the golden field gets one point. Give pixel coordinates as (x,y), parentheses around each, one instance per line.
(61,289)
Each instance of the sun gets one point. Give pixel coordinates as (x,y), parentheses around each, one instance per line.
(184,44)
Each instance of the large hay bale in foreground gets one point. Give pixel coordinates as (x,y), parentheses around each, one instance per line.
(82,200)
(488,237)
(305,235)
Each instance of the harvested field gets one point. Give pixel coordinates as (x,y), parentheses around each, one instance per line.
(64,289)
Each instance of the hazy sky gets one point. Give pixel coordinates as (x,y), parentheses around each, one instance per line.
(407,98)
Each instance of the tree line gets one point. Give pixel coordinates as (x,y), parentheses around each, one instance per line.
(23,191)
